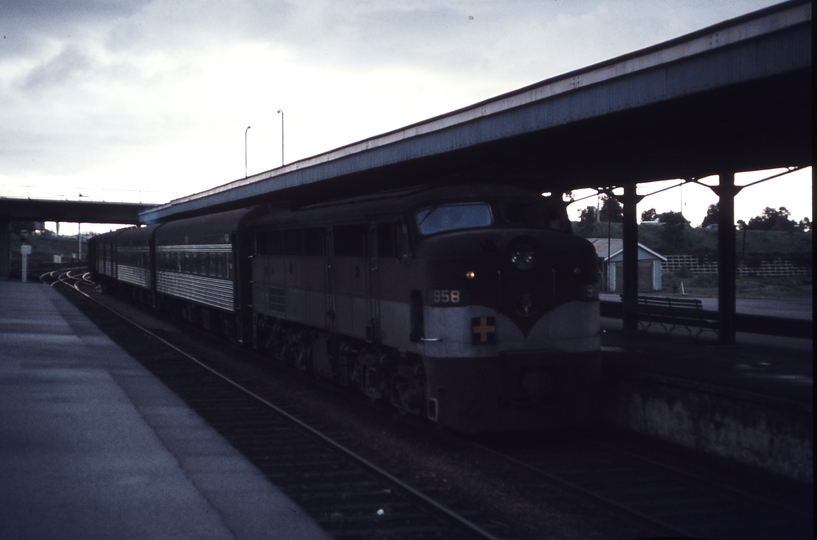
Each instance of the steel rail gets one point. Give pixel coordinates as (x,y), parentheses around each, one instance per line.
(664,527)
(698,478)
(430,504)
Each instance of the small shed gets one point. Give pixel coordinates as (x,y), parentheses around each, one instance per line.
(611,265)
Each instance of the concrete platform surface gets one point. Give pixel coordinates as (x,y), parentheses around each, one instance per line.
(92,446)
(767,366)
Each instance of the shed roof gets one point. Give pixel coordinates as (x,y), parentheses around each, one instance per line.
(617,246)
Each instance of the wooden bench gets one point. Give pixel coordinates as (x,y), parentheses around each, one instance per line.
(672,313)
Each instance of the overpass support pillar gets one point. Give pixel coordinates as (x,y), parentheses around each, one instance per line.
(5,246)
(630,238)
(727,265)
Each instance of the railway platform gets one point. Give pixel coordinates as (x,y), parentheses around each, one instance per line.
(750,402)
(92,446)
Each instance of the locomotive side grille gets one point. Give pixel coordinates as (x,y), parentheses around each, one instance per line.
(277,299)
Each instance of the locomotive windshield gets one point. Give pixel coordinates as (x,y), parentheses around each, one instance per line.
(535,214)
(452,217)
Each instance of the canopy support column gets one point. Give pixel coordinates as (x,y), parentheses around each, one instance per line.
(5,247)
(727,259)
(630,238)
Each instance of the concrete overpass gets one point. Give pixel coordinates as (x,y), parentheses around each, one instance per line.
(74,211)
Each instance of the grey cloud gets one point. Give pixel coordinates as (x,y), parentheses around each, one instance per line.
(70,64)
(62,10)
(27,24)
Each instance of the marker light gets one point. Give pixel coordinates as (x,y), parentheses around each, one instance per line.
(470,275)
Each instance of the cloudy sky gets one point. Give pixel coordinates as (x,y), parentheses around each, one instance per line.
(150,99)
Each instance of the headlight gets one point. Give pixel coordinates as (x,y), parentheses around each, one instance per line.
(523,257)
(591,291)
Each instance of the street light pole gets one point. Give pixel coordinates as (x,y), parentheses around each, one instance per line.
(282,136)
(245,150)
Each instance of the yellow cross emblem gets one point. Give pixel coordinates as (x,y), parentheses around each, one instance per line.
(483,329)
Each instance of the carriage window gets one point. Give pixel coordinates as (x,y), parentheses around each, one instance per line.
(350,241)
(453,217)
(202,264)
(211,264)
(220,260)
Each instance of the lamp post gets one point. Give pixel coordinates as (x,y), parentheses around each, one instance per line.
(282,136)
(245,150)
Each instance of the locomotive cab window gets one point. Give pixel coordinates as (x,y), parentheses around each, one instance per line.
(439,219)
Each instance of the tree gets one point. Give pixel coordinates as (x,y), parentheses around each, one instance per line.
(649,215)
(587,221)
(674,226)
(772,220)
(712,216)
(673,220)
(17,228)
(610,210)
(588,216)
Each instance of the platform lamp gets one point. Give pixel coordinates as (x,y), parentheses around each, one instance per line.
(282,136)
(245,150)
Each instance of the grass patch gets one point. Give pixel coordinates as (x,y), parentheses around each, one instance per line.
(746,286)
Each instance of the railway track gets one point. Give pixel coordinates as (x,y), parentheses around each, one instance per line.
(347,495)
(649,489)
(669,491)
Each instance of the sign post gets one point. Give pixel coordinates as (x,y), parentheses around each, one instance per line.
(25,250)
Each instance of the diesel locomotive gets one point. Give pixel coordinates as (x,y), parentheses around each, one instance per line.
(474,306)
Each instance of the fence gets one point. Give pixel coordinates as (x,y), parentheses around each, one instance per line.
(704,265)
